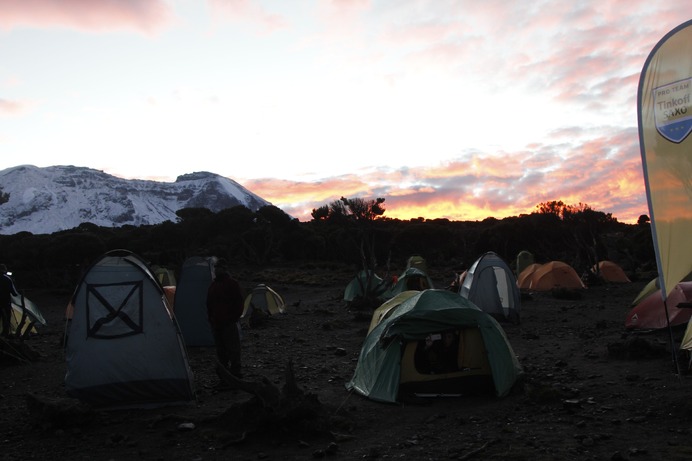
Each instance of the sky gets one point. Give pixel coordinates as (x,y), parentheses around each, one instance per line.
(460,109)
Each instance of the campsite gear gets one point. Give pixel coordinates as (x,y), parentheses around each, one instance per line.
(663,105)
(165,276)
(387,307)
(387,368)
(610,272)
(554,275)
(651,287)
(418,262)
(365,283)
(24,317)
(650,314)
(124,349)
(491,285)
(261,303)
(196,275)
(169,292)
(7,291)
(524,277)
(411,279)
(524,260)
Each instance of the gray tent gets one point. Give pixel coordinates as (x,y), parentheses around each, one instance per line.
(124,348)
(196,275)
(491,285)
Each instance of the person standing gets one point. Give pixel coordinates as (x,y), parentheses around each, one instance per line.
(224,308)
(7,290)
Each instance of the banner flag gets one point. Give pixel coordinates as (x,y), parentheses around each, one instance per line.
(664,109)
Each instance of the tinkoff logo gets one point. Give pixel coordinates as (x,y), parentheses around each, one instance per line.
(673,110)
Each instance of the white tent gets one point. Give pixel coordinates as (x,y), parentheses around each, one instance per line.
(491,285)
(124,348)
(265,299)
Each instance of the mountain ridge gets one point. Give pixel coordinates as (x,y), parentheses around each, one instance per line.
(43,200)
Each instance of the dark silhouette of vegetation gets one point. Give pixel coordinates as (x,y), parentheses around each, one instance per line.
(350,232)
(354,220)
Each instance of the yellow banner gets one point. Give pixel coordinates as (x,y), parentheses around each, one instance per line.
(664,107)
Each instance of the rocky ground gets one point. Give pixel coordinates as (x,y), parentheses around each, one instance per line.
(591,391)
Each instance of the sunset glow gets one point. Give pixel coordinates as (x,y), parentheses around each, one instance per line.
(459,110)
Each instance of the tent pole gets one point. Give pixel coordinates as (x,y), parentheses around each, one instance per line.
(672,341)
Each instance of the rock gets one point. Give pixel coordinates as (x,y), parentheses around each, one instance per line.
(186,426)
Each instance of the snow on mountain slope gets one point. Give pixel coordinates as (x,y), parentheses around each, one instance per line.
(50,199)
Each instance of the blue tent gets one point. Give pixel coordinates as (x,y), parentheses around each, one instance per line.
(190,304)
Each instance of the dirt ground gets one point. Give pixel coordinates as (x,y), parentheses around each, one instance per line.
(591,391)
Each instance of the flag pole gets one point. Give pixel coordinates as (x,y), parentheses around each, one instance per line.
(673,350)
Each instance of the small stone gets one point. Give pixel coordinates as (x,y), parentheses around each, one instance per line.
(587,442)
(186,426)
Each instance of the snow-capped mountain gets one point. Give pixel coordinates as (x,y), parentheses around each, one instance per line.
(47,200)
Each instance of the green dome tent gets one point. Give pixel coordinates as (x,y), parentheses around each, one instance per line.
(365,283)
(411,279)
(386,366)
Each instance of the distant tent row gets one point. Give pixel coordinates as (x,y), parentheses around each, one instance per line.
(368,284)
(549,276)
(393,360)
(489,284)
(558,274)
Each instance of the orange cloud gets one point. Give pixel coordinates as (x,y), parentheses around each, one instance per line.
(248,11)
(95,15)
(604,173)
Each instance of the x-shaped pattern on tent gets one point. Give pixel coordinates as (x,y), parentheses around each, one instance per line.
(126,326)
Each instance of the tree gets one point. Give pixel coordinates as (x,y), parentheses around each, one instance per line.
(353,220)
(554,207)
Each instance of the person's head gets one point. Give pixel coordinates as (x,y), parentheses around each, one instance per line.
(3,268)
(221,267)
(448,338)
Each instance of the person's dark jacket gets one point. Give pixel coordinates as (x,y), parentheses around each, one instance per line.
(7,290)
(224,301)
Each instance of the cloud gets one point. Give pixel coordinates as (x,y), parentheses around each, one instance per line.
(247,11)
(91,15)
(604,173)
(601,169)
(8,107)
